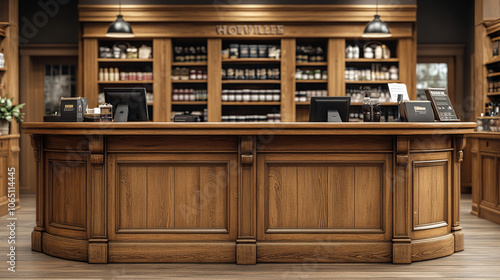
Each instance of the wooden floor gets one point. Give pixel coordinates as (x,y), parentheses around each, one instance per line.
(480,260)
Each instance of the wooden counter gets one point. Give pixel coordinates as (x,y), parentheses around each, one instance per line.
(248,192)
(485,147)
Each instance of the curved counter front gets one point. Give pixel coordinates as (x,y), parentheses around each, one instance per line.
(248,192)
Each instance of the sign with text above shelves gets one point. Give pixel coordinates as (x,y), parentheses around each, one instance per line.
(250,29)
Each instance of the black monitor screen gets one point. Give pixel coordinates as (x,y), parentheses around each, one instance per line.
(129,102)
(330,109)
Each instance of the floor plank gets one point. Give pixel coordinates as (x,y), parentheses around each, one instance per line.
(479,260)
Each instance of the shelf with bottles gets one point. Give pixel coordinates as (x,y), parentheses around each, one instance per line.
(189,95)
(372,60)
(304,93)
(126,50)
(250,74)
(269,117)
(200,111)
(189,74)
(372,72)
(187,51)
(387,114)
(311,74)
(311,52)
(251,110)
(255,95)
(125,74)
(251,51)
(361,49)
(125,82)
(379,92)
(125,60)
(373,82)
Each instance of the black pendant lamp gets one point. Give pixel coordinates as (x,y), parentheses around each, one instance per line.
(120,28)
(376,28)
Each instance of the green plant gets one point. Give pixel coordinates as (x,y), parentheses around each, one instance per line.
(8,111)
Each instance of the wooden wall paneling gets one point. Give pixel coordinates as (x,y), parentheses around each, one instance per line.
(368,197)
(11,52)
(214,83)
(401,250)
(336,67)
(36,236)
(132,196)
(407,54)
(65,179)
(288,80)
(161,195)
(430,200)
(458,159)
(282,197)
(90,73)
(190,29)
(341,196)
(247,13)
(98,247)
(312,197)
(162,86)
(246,248)
(488,180)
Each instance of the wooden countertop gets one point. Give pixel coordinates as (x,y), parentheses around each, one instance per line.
(219,128)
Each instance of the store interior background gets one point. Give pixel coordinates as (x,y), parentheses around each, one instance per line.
(438,22)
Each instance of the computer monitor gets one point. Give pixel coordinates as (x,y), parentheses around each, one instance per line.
(330,109)
(129,104)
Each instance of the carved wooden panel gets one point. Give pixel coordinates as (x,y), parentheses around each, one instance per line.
(324,196)
(489,177)
(67,182)
(168,196)
(431,187)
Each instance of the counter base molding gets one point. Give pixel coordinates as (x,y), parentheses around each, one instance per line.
(248,193)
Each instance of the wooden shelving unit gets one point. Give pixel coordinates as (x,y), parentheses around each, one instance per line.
(251,81)
(372,60)
(126,82)
(373,82)
(124,60)
(201,63)
(189,81)
(189,103)
(312,81)
(255,103)
(251,60)
(165,36)
(307,64)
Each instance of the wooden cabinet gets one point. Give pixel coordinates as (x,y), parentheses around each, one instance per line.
(327,29)
(485,149)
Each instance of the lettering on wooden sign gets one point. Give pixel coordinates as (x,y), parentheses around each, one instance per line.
(248,29)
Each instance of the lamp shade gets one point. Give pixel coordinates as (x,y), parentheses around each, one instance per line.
(376,29)
(120,29)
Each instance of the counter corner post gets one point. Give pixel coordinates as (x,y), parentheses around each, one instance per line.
(459,145)
(402,247)
(98,241)
(246,244)
(36,235)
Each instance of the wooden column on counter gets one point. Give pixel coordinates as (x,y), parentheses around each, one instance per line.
(246,249)
(98,247)
(401,249)
(36,235)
